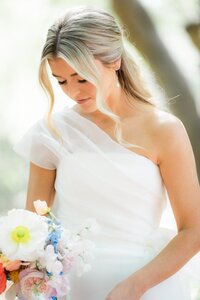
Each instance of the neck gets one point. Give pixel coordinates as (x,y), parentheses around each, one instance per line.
(117,101)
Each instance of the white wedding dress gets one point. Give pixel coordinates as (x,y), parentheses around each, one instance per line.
(99,178)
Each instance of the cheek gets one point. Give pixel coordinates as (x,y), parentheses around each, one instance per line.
(89,89)
(64,89)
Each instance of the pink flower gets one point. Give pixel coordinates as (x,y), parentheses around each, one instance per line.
(41,207)
(33,281)
(68,262)
(61,284)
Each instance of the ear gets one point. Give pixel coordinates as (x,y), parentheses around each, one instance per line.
(117,64)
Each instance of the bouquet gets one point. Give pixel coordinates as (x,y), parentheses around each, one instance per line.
(37,253)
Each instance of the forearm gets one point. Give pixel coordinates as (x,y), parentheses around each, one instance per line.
(41,186)
(48,198)
(171,259)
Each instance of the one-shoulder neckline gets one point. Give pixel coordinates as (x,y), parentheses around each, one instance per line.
(112,140)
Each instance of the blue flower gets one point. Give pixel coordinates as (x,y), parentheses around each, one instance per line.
(54,237)
(49,273)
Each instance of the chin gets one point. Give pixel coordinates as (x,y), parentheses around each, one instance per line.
(89,108)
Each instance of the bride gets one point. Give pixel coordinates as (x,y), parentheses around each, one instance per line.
(116,156)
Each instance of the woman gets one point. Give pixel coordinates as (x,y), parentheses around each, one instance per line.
(115,156)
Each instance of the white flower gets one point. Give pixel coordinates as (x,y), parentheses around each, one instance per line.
(82,268)
(88,250)
(65,239)
(41,207)
(50,261)
(90,226)
(23,234)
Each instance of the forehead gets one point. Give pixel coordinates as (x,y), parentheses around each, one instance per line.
(60,67)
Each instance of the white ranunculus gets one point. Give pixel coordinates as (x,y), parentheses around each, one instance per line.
(22,235)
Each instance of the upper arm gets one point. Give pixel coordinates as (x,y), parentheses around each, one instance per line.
(40,185)
(178,170)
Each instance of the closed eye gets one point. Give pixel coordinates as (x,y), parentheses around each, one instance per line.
(62,82)
(80,81)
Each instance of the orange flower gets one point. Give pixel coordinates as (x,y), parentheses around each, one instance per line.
(2,279)
(12,265)
(14,276)
(9,265)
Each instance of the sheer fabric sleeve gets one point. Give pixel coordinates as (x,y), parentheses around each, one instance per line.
(39,146)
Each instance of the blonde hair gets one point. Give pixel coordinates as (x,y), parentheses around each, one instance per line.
(79,37)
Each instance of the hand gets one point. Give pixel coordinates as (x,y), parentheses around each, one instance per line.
(125,290)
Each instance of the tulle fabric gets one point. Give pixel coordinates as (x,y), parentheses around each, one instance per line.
(97,177)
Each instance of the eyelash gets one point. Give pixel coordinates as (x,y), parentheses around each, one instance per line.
(63,82)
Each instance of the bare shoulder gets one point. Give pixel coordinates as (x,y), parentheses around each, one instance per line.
(165,123)
(177,167)
(155,130)
(169,135)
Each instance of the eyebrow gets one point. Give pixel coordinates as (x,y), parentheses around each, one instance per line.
(74,74)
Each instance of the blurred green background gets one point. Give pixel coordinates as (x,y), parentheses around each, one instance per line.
(23,29)
(166,45)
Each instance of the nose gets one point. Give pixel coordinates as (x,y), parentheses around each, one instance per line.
(72,91)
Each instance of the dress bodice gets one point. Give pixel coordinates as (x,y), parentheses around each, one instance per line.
(98,178)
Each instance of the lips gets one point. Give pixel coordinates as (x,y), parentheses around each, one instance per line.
(82,100)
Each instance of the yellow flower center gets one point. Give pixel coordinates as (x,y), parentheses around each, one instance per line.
(21,234)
